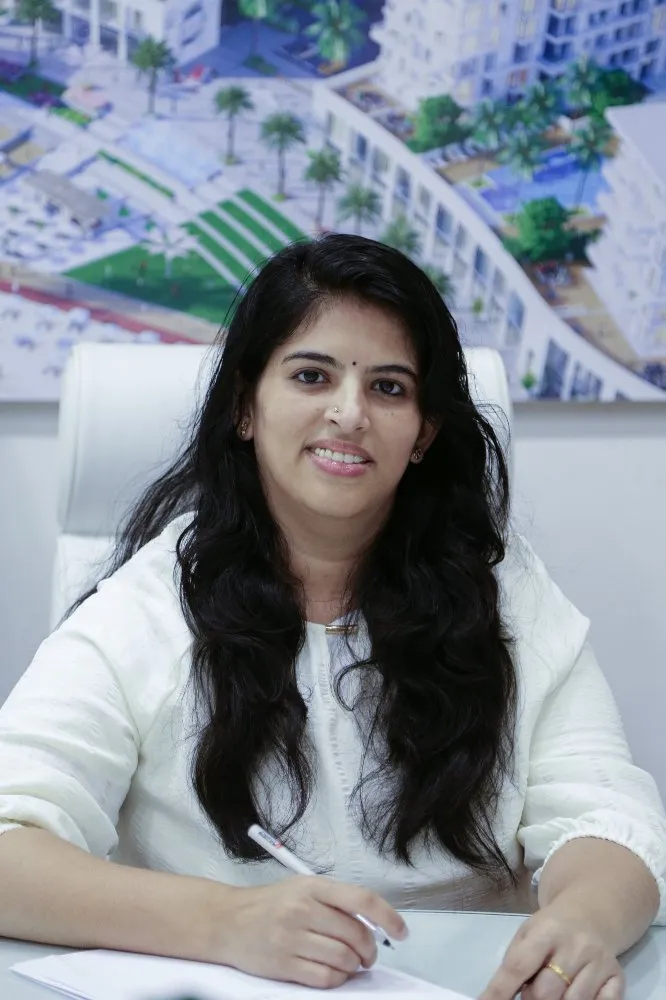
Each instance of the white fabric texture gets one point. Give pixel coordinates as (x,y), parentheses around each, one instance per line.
(96,743)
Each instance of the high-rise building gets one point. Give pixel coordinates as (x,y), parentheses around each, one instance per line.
(475,49)
(618,34)
(630,259)
(469,49)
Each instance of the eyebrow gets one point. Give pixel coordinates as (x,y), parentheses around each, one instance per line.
(327,359)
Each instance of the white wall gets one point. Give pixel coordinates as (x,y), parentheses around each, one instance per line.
(590,493)
(27,531)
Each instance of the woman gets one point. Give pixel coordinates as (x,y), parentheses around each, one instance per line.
(319,621)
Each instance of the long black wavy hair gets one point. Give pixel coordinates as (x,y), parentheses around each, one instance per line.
(443,704)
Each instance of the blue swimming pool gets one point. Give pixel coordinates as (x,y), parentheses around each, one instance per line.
(559,177)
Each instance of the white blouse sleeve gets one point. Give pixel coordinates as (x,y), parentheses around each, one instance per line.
(581,780)
(71,730)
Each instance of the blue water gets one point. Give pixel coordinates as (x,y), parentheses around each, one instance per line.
(559,177)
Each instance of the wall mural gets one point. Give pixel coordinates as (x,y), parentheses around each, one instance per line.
(153,152)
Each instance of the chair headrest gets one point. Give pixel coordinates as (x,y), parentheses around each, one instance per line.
(125,411)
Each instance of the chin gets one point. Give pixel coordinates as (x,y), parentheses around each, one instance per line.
(335,507)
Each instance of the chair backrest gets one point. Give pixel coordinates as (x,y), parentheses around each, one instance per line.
(125,411)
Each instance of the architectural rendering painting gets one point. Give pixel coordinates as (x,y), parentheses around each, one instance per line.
(154,152)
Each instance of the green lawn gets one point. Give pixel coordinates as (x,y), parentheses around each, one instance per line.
(31,83)
(77,117)
(251,224)
(194,287)
(239,270)
(261,65)
(136,173)
(277,218)
(252,252)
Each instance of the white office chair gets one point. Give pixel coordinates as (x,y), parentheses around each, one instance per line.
(124,412)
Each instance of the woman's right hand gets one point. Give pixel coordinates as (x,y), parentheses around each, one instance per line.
(301,930)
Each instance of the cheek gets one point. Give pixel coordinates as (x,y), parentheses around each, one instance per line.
(401,431)
(283,424)
(271,413)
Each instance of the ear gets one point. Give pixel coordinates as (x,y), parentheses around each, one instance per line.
(244,428)
(427,435)
(244,415)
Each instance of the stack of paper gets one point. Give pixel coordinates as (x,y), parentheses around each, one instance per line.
(111,975)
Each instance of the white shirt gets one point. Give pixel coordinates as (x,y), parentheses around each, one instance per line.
(97,737)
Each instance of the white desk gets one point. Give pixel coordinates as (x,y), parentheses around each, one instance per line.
(458,950)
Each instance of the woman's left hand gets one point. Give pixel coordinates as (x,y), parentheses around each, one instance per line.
(568,943)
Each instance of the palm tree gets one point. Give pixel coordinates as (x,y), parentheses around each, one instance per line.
(588,147)
(490,123)
(401,235)
(281,131)
(232,101)
(525,118)
(337,29)
(258,11)
(151,57)
(34,12)
(523,154)
(361,204)
(582,80)
(169,243)
(542,105)
(442,281)
(324,170)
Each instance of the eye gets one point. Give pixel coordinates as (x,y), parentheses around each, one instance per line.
(389,388)
(309,376)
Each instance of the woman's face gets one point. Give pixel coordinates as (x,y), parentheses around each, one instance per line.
(335,416)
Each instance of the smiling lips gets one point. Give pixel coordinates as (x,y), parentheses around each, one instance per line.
(339,458)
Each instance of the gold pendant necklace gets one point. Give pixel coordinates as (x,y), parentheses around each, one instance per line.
(341,629)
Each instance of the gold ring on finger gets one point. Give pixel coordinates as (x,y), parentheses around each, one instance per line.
(559,972)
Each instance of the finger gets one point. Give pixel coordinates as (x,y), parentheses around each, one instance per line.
(614,989)
(333,923)
(592,979)
(546,985)
(525,958)
(354,899)
(315,975)
(327,951)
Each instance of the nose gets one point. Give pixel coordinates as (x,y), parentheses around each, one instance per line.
(348,410)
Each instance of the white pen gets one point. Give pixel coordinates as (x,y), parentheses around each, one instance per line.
(276,849)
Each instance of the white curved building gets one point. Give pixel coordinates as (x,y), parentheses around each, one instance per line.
(496,302)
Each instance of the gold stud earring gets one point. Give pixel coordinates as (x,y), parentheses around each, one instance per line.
(417,456)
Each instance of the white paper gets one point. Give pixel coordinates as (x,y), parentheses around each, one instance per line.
(111,975)
(65,980)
